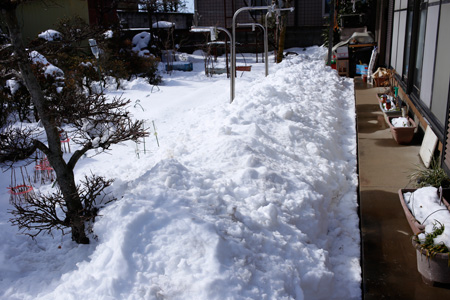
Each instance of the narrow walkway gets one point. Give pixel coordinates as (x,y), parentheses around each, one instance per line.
(388,258)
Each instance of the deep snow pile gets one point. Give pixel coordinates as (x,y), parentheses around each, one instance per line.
(250,200)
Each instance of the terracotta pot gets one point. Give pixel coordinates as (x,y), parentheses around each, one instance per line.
(403,135)
(434,270)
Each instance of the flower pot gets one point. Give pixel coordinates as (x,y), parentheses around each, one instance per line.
(433,268)
(403,135)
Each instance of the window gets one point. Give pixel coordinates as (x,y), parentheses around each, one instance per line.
(442,67)
(408,39)
(420,45)
(326,7)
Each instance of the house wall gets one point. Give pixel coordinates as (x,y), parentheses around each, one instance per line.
(37,16)
(419,53)
(137,19)
(421,32)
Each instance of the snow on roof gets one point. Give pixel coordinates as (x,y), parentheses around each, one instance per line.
(163,24)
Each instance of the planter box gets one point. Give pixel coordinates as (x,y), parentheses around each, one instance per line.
(416,227)
(403,135)
(433,268)
(244,68)
(393,112)
(179,66)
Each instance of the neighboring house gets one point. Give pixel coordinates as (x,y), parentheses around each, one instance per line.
(38,16)
(305,24)
(416,37)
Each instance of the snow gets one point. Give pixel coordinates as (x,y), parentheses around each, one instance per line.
(13,85)
(50,35)
(140,41)
(250,200)
(427,208)
(400,122)
(163,24)
(49,69)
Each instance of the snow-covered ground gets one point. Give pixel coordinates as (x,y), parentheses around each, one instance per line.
(250,200)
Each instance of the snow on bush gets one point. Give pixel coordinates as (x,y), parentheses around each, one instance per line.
(50,35)
(140,41)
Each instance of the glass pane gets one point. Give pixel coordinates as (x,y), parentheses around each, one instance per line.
(442,67)
(429,54)
(401,42)
(408,43)
(395,28)
(420,47)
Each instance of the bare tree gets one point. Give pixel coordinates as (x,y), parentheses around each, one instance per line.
(95,122)
(282,27)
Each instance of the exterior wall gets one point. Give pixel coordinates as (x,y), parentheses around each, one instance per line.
(305,23)
(38,16)
(135,19)
(424,78)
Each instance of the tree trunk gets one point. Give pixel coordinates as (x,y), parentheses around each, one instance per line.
(281,40)
(282,37)
(64,173)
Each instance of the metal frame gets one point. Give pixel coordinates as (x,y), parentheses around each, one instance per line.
(233,44)
(210,29)
(270,10)
(266,46)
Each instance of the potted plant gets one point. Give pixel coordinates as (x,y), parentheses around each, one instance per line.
(428,214)
(402,129)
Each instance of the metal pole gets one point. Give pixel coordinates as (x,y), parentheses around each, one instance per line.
(266,43)
(330,33)
(208,29)
(233,44)
(266,47)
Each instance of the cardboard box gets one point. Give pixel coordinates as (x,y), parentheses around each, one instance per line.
(362,69)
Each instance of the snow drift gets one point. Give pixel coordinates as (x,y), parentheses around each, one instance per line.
(250,200)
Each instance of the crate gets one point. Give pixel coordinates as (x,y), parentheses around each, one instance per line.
(342,66)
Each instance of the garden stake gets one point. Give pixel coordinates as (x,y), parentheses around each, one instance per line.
(156,134)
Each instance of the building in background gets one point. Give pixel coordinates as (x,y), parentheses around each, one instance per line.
(305,24)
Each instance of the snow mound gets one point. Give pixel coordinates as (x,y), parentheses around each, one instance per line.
(250,200)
